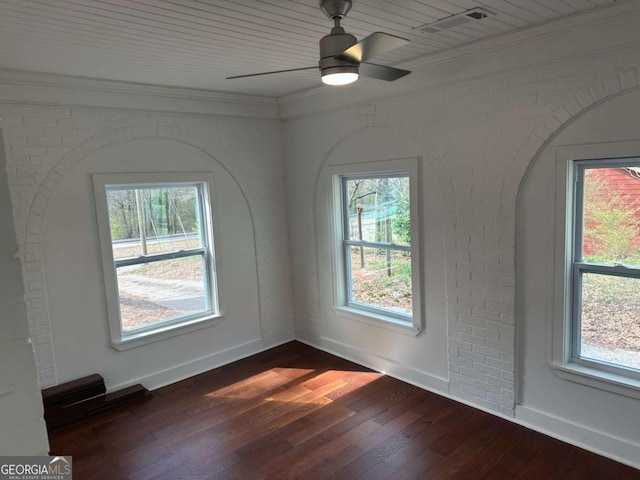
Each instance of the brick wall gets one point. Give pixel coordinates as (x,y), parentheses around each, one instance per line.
(21,413)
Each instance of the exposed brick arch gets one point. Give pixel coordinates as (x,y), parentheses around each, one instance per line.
(37,306)
(545,132)
(564,115)
(409,131)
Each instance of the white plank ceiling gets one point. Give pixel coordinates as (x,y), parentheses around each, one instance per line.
(197,43)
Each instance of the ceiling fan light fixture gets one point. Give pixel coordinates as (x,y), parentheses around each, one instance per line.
(340,75)
(342,58)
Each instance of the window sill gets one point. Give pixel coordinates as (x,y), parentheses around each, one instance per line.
(593,377)
(134,340)
(379,320)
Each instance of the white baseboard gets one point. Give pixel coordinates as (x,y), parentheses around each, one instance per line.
(609,446)
(376,362)
(208,362)
(196,366)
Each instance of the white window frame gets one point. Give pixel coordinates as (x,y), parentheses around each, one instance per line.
(124,340)
(567,363)
(410,324)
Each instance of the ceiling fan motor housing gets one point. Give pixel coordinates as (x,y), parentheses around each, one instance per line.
(334,44)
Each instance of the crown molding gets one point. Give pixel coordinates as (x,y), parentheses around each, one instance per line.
(40,88)
(565,39)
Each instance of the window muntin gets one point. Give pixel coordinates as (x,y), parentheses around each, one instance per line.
(605,330)
(158,253)
(376,243)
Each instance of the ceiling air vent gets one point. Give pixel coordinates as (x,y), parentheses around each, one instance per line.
(456,20)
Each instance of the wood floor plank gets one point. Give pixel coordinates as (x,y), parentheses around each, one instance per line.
(469,459)
(422,434)
(295,412)
(418,466)
(373,457)
(325,420)
(295,466)
(381,444)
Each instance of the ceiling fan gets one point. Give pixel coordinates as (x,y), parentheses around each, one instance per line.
(343,58)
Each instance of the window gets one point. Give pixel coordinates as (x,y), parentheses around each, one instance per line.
(158,256)
(605,283)
(376,229)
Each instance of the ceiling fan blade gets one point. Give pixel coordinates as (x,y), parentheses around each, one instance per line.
(375,44)
(269,73)
(382,72)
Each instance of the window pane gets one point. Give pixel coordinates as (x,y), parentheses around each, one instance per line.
(169,216)
(380,278)
(163,290)
(378,209)
(610,318)
(611,225)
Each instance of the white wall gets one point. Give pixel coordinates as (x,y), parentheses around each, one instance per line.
(51,152)
(594,412)
(476,117)
(422,358)
(21,421)
(74,279)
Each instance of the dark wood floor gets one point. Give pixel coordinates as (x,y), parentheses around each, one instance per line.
(296,412)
